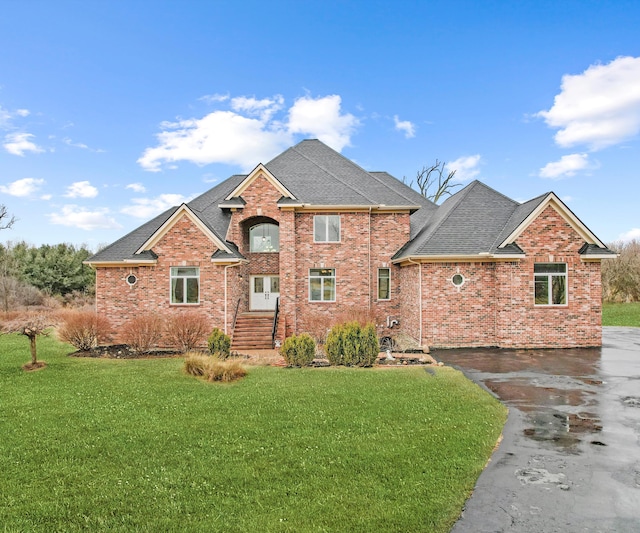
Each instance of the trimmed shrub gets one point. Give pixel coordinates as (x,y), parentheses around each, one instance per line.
(219,344)
(298,350)
(83,329)
(186,331)
(143,332)
(211,368)
(351,344)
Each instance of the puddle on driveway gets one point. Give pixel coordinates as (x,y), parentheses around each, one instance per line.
(556,389)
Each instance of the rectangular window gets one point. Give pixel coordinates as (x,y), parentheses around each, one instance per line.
(322,285)
(326,228)
(550,280)
(384,285)
(185,285)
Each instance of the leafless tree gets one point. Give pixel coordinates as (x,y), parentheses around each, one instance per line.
(30,324)
(6,220)
(434,183)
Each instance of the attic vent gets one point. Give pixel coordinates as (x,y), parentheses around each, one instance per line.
(131,280)
(457,280)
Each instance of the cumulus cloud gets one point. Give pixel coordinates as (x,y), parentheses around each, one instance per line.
(79,217)
(568,165)
(136,187)
(249,132)
(466,167)
(631,235)
(6,116)
(19,143)
(405,126)
(22,188)
(150,207)
(598,108)
(81,189)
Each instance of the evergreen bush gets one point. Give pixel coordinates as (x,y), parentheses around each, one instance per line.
(351,344)
(298,350)
(219,344)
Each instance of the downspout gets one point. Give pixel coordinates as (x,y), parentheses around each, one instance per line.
(369,251)
(420,292)
(225,294)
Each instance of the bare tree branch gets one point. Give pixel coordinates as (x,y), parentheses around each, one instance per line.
(434,177)
(4,214)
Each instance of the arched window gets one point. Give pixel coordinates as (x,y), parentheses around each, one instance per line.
(264,238)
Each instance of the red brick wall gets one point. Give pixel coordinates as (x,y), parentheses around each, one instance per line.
(495,306)
(183,245)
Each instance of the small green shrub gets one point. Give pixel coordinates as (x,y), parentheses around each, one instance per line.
(219,344)
(298,350)
(351,344)
(211,368)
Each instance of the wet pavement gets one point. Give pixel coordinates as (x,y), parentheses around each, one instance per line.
(570,457)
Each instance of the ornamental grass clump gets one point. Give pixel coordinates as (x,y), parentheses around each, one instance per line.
(298,350)
(350,344)
(219,344)
(212,368)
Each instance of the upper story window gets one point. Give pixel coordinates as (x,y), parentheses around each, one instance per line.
(326,228)
(550,283)
(185,285)
(264,238)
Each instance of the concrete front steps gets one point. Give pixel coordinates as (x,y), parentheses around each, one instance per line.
(252,332)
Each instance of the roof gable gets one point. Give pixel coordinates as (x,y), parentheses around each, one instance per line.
(182,211)
(552,200)
(260,170)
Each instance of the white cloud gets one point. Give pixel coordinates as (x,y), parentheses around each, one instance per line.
(249,133)
(150,207)
(568,165)
(24,187)
(214,98)
(407,127)
(19,143)
(79,217)
(23,112)
(83,146)
(323,118)
(6,116)
(136,187)
(466,167)
(81,189)
(598,108)
(632,234)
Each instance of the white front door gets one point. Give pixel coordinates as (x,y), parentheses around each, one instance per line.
(264,292)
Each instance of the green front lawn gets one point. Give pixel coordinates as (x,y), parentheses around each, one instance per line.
(621,314)
(137,445)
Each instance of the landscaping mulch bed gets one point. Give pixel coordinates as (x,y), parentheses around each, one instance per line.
(122,351)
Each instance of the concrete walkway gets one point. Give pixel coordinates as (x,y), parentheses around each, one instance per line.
(570,457)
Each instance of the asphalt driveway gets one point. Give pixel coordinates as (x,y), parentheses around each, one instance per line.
(570,457)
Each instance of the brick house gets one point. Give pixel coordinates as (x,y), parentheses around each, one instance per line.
(310,234)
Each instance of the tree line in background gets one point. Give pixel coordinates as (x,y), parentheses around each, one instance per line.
(621,276)
(47,274)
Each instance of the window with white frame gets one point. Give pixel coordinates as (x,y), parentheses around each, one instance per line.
(550,281)
(322,284)
(185,285)
(264,238)
(384,284)
(326,228)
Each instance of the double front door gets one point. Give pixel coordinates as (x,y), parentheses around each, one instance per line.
(265,290)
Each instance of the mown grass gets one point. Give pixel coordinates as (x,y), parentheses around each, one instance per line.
(138,445)
(621,314)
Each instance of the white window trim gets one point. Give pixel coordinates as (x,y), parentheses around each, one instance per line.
(184,278)
(315,217)
(549,275)
(322,278)
(388,269)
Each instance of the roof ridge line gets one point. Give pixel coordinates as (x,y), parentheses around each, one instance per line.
(457,201)
(373,172)
(295,149)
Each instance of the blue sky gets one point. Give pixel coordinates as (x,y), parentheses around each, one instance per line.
(110,112)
